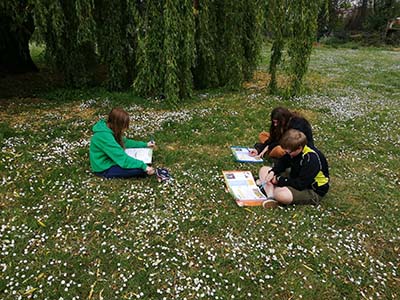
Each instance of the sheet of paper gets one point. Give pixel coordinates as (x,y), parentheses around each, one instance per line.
(143,154)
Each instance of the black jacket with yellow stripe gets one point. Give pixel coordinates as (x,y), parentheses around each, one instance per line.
(308,170)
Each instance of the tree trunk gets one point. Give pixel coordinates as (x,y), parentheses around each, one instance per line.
(14,46)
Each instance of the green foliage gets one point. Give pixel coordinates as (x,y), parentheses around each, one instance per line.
(18,11)
(276,12)
(301,37)
(178,49)
(205,73)
(251,36)
(214,44)
(160,48)
(166,50)
(292,23)
(228,42)
(116,23)
(229,56)
(150,51)
(67,29)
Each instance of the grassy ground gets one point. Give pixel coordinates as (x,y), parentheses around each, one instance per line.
(66,234)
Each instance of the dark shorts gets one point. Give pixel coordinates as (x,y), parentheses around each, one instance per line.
(304,197)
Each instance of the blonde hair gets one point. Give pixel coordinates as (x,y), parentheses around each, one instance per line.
(293,139)
(118,121)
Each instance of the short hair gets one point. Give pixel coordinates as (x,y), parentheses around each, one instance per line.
(293,139)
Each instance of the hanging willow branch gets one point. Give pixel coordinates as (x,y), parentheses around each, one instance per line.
(160,48)
(302,34)
(292,23)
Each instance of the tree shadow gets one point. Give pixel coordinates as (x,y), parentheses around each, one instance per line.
(28,85)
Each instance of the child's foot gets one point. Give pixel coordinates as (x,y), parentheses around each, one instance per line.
(163,175)
(270,203)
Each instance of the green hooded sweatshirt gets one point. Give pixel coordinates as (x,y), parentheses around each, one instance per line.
(105,152)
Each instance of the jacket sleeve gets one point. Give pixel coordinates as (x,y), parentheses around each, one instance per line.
(117,154)
(309,170)
(282,164)
(272,145)
(129,143)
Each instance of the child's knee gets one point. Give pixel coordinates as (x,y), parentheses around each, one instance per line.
(263,136)
(283,196)
(264,172)
(277,152)
(265,169)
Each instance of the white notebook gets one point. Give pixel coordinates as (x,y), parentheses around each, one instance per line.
(143,154)
(242,154)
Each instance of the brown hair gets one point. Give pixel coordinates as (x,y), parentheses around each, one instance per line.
(118,120)
(293,139)
(282,115)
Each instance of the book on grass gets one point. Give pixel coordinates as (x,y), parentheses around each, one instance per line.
(143,154)
(243,188)
(242,154)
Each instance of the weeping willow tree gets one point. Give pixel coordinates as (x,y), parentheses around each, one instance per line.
(228,40)
(205,72)
(116,40)
(166,50)
(292,23)
(67,28)
(159,48)
(276,20)
(302,34)
(150,63)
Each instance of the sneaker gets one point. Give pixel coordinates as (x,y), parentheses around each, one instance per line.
(270,203)
(163,174)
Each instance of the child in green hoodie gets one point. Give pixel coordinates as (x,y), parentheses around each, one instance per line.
(107,149)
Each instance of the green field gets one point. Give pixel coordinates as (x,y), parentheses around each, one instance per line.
(66,234)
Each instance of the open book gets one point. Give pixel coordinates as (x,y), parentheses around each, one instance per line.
(243,188)
(143,154)
(242,154)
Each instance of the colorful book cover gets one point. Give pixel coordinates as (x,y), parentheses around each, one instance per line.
(243,188)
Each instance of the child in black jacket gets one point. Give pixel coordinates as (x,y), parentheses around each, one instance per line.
(308,180)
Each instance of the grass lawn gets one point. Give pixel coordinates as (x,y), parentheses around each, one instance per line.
(66,234)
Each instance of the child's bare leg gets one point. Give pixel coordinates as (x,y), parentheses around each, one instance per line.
(283,195)
(262,174)
(269,189)
(268,186)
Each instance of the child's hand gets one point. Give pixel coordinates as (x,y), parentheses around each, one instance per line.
(261,155)
(151,144)
(253,152)
(150,170)
(270,177)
